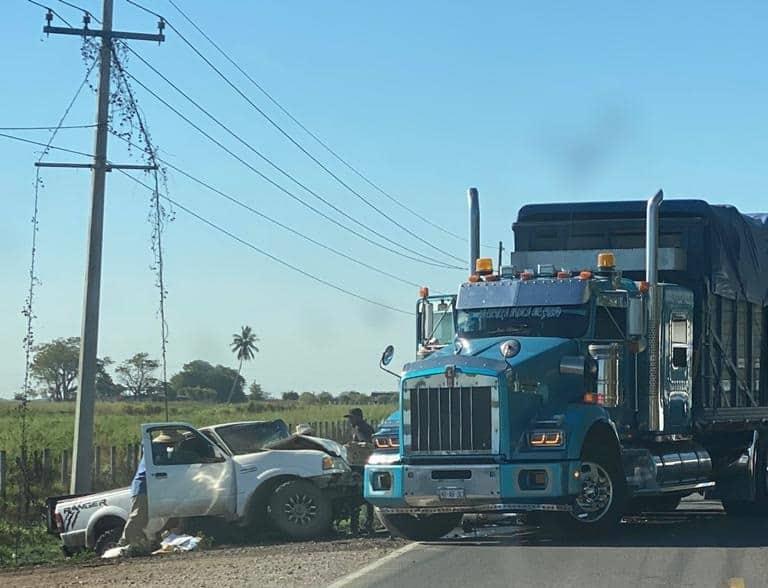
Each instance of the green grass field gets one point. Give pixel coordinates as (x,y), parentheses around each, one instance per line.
(51,425)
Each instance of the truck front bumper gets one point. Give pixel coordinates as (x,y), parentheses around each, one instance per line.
(508,487)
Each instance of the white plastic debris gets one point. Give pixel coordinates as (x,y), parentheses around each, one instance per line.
(173,543)
(115,552)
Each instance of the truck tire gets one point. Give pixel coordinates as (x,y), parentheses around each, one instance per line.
(420,528)
(598,508)
(107,540)
(300,510)
(758,507)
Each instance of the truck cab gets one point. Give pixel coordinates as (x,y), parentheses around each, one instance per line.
(571,387)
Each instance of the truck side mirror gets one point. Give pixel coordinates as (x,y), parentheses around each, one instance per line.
(389,353)
(425,318)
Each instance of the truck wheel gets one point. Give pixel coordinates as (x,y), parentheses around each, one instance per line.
(300,510)
(758,507)
(420,528)
(107,540)
(600,503)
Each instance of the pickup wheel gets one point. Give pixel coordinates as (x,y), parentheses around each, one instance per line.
(107,540)
(300,510)
(420,528)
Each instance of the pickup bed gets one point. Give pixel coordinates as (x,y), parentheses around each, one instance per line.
(250,474)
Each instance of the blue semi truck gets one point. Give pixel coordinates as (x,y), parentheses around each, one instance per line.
(618,363)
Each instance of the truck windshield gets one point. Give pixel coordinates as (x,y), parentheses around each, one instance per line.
(569,321)
(243,438)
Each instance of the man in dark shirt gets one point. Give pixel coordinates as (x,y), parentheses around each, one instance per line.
(362,432)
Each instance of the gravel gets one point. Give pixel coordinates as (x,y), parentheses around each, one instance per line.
(316,563)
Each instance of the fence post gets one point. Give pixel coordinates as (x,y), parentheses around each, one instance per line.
(113,465)
(96,464)
(3,473)
(128,451)
(64,467)
(46,466)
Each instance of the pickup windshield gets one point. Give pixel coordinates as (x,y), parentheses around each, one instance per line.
(568,321)
(243,438)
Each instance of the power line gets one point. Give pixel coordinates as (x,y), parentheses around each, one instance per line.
(264,157)
(49,128)
(228,233)
(295,142)
(47,146)
(291,194)
(274,258)
(277,222)
(64,20)
(80,8)
(303,127)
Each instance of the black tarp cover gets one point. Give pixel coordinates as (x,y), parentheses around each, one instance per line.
(736,262)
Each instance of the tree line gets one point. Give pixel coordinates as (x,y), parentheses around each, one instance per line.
(54,369)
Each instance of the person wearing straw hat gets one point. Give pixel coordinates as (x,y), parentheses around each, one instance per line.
(135,530)
(304,429)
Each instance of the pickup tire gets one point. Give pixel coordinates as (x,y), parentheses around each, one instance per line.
(300,510)
(420,528)
(107,540)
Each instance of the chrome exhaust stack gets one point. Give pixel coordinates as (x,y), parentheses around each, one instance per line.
(474,229)
(655,399)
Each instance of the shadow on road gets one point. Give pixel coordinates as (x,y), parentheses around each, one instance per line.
(682,528)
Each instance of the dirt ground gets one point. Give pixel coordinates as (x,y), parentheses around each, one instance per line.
(288,564)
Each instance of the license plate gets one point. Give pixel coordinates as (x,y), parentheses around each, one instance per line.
(450,493)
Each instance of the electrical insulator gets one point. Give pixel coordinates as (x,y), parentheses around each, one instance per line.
(49,17)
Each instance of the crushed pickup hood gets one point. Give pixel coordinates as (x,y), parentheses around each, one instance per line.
(306,442)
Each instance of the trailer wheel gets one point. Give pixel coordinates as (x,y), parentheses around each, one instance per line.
(420,528)
(300,510)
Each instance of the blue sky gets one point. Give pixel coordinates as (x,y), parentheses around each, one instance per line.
(587,101)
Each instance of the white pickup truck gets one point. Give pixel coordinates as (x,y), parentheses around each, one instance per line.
(247,473)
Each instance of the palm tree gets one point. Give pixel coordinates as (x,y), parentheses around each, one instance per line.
(243,346)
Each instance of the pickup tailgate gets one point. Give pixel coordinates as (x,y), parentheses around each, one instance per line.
(50,511)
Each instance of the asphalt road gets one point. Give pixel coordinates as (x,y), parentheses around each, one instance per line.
(696,546)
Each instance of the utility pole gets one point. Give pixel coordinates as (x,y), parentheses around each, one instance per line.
(82,456)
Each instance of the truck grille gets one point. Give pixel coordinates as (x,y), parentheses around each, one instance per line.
(458,419)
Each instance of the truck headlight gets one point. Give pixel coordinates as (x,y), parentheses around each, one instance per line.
(546,438)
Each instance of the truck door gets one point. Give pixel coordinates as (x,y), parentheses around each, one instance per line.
(186,474)
(676,357)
